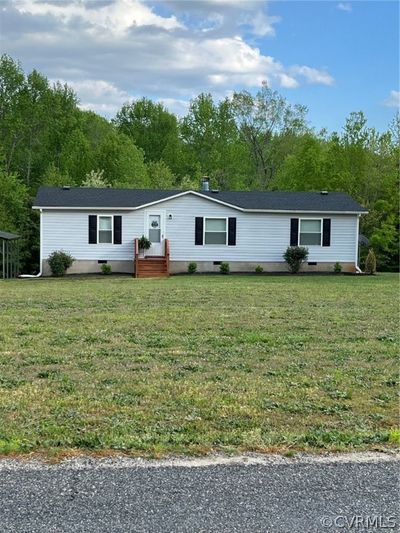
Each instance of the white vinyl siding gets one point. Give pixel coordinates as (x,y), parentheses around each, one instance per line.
(259,236)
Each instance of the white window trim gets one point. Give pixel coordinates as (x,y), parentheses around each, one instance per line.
(204,230)
(98,229)
(321,220)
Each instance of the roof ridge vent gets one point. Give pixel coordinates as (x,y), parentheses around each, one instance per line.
(324,192)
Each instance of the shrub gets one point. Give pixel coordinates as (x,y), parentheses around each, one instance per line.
(370,262)
(106,269)
(259,269)
(144,243)
(337,268)
(59,262)
(224,268)
(294,257)
(192,268)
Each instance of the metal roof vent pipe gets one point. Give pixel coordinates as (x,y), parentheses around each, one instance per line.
(205,184)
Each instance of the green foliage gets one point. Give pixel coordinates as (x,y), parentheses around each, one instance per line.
(247,142)
(337,268)
(160,176)
(59,262)
(105,269)
(294,257)
(192,268)
(95,178)
(259,269)
(144,243)
(267,124)
(14,197)
(370,263)
(224,268)
(152,128)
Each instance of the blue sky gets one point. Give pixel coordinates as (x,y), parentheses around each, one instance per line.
(359,48)
(334,57)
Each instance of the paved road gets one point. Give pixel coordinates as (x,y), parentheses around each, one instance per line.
(244,495)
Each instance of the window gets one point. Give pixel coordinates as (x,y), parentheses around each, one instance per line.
(155,228)
(215,231)
(105,229)
(310,232)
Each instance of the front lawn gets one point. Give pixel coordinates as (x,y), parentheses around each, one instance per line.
(194,364)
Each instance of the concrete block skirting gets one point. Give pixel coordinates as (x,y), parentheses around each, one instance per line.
(83,266)
(86,266)
(177,267)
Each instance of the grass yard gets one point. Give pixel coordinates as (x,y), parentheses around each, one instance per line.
(195,364)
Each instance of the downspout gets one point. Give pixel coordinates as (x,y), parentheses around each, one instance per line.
(40,254)
(357,259)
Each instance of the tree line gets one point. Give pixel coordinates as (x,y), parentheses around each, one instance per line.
(245,142)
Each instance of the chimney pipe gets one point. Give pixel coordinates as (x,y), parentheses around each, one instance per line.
(205,186)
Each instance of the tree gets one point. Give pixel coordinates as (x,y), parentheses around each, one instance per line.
(261,119)
(212,145)
(13,201)
(160,176)
(152,128)
(95,178)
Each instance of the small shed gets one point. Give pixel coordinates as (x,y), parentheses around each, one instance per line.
(9,255)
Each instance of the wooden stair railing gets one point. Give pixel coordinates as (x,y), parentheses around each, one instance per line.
(136,257)
(152,266)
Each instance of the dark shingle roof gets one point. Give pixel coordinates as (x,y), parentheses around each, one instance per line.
(5,235)
(81,197)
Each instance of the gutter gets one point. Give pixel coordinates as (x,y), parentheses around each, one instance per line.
(30,276)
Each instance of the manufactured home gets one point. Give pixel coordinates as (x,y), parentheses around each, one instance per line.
(245,229)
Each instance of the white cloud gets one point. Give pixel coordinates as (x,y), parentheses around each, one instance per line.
(115,17)
(262,24)
(345,6)
(179,107)
(393,100)
(313,75)
(112,50)
(98,95)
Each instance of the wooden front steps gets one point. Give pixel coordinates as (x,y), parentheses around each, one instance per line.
(152,266)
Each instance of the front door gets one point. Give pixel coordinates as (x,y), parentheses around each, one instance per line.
(155,232)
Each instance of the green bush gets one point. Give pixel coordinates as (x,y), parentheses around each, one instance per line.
(370,262)
(337,268)
(59,262)
(259,269)
(224,268)
(106,269)
(144,243)
(294,257)
(192,268)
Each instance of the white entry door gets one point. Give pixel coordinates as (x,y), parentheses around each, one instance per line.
(156,232)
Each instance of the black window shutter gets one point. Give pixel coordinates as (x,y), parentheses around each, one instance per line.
(92,229)
(232,231)
(198,233)
(294,231)
(326,232)
(117,229)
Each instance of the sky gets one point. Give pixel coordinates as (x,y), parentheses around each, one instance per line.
(334,57)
